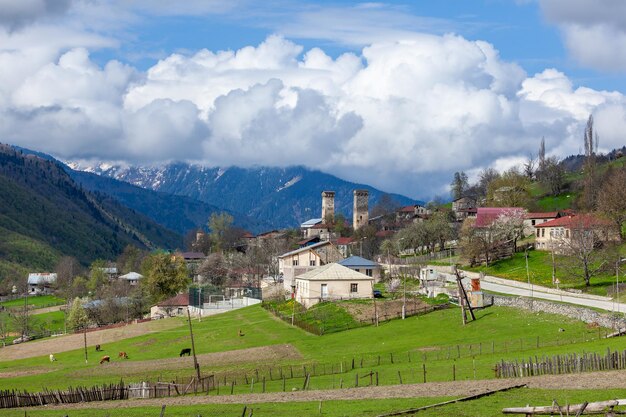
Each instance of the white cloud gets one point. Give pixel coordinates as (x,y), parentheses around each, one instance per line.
(401,115)
(594,31)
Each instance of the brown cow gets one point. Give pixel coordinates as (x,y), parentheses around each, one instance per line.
(105,359)
(98,349)
(122,355)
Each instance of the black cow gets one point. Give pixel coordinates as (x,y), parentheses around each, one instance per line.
(185,351)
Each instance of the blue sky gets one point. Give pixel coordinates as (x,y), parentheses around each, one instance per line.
(397,94)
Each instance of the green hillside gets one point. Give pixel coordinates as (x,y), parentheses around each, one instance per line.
(44,215)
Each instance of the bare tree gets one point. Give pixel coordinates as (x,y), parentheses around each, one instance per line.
(582,243)
(552,176)
(214,269)
(530,167)
(509,225)
(66,269)
(612,201)
(459,185)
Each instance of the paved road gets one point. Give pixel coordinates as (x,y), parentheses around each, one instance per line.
(565,298)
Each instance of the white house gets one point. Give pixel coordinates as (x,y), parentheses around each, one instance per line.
(41,282)
(132,278)
(175,306)
(332,282)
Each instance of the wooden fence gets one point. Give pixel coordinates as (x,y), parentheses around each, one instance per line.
(562,364)
(162,389)
(13,399)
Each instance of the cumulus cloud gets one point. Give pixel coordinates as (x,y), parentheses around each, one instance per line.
(401,115)
(594,31)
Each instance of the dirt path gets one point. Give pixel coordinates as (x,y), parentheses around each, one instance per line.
(47,309)
(69,342)
(256,355)
(598,380)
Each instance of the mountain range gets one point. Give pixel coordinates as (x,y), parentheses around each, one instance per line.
(276,197)
(45,214)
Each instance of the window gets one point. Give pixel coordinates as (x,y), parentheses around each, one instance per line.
(312,262)
(537,232)
(294,262)
(357,269)
(533,222)
(543,232)
(324,290)
(354,287)
(567,233)
(368,272)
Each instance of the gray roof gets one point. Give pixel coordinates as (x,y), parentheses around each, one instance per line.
(311,222)
(355,261)
(40,278)
(132,276)
(305,248)
(334,272)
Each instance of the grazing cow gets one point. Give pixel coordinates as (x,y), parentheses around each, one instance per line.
(122,355)
(105,359)
(185,351)
(98,349)
(52,358)
(241,333)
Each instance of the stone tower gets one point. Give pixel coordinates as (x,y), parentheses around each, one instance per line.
(328,205)
(360,212)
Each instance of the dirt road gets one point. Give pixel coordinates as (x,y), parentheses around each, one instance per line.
(598,380)
(69,342)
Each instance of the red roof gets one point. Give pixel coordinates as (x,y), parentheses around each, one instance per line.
(176,301)
(322,226)
(385,233)
(344,240)
(407,209)
(485,216)
(583,220)
(548,215)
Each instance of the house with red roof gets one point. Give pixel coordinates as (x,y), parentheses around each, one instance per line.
(486,216)
(535,218)
(557,234)
(175,306)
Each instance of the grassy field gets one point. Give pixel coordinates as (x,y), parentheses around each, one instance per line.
(473,349)
(38,301)
(540,271)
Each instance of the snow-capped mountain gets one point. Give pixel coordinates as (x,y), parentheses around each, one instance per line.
(281,197)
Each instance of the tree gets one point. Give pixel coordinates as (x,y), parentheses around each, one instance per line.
(585,255)
(77,318)
(214,270)
(219,225)
(510,225)
(459,185)
(66,269)
(591,180)
(98,279)
(529,167)
(552,176)
(130,259)
(385,205)
(611,200)
(485,178)
(165,275)
(541,155)
(510,190)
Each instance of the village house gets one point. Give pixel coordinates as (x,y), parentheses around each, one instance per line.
(175,306)
(332,282)
(557,234)
(192,260)
(306,228)
(345,245)
(464,207)
(41,283)
(364,266)
(132,278)
(414,213)
(533,219)
(304,259)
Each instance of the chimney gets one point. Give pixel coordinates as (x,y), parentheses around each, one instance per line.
(328,205)
(360,213)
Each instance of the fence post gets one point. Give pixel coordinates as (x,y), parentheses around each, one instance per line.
(424,371)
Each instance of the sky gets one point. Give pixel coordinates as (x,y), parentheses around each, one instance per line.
(396,94)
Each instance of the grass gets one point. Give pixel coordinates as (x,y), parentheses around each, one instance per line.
(433,337)
(38,301)
(540,270)
(326,317)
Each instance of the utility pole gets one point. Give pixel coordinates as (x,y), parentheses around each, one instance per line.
(404,298)
(193,347)
(85,341)
(375,308)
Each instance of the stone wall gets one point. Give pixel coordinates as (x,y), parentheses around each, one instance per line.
(579,313)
